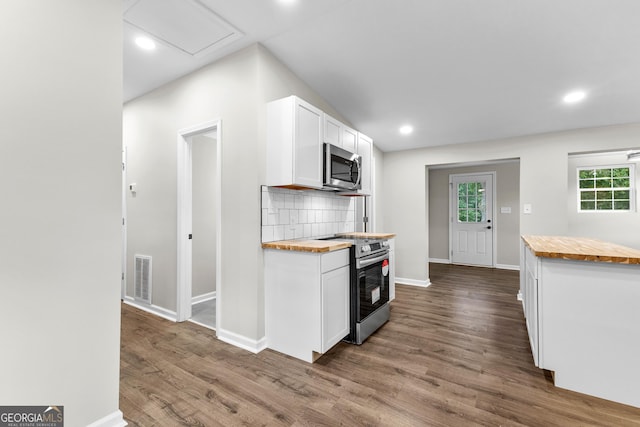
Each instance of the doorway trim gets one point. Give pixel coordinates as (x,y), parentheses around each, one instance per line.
(494,205)
(185,217)
(123,282)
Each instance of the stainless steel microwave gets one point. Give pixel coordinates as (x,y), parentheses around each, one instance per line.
(342,168)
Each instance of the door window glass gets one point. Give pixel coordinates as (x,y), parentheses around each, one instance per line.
(472,206)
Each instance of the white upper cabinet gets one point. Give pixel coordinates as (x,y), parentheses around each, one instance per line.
(365,149)
(294,144)
(332,131)
(349,139)
(339,134)
(296,131)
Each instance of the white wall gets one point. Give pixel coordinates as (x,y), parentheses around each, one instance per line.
(619,227)
(543,184)
(378,197)
(507,225)
(236,90)
(60,156)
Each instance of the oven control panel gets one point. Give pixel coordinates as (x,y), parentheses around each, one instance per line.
(372,247)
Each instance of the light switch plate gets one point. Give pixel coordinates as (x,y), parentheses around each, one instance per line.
(526,208)
(505,209)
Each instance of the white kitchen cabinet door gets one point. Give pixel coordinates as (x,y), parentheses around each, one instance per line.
(294,144)
(365,149)
(349,139)
(335,307)
(531,310)
(332,131)
(392,269)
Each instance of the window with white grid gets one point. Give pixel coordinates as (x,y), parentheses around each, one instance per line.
(606,188)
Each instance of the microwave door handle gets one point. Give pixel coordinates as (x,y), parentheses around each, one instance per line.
(327,165)
(359,174)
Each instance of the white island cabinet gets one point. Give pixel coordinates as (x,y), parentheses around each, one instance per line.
(306,301)
(294,144)
(581,299)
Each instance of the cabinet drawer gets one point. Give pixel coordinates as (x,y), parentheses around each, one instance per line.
(335,259)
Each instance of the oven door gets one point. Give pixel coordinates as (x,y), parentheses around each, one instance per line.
(372,274)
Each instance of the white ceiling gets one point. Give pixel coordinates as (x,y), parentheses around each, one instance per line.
(457,70)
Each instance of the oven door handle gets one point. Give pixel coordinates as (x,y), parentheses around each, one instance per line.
(362,263)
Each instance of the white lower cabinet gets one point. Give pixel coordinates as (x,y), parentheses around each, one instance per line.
(306,301)
(530,302)
(392,269)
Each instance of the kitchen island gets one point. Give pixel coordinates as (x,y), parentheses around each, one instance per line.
(581,299)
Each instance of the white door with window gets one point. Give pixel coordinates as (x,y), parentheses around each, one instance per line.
(472,227)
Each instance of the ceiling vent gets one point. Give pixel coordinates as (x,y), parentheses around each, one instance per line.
(187,25)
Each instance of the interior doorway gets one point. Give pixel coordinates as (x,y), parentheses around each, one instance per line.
(505,218)
(199,224)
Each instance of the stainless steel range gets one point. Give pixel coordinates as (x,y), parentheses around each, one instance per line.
(369,297)
(369,288)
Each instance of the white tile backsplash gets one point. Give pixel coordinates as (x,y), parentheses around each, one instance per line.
(292,214)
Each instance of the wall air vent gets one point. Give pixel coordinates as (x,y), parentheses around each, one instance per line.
(142,281)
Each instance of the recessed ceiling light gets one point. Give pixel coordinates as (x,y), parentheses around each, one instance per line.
(575,96)
(145,43)
(406,129)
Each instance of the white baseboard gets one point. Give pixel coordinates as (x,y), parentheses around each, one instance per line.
(508,267)
(153,309)
(413,282)
(500,266)
(254,346)
(115,419)
(204,297)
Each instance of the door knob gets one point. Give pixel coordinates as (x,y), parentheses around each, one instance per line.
(488,227)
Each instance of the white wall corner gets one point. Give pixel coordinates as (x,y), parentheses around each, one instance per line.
(254,346)
(413,282)
(115,419)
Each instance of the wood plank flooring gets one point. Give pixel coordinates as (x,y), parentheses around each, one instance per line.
(453,354)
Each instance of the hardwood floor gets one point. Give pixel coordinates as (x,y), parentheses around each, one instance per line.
(453,354)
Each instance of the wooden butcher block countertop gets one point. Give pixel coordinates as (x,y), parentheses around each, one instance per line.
(317,246)
(359,235)
(581,249)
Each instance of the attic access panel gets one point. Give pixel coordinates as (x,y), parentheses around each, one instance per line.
(187,25)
